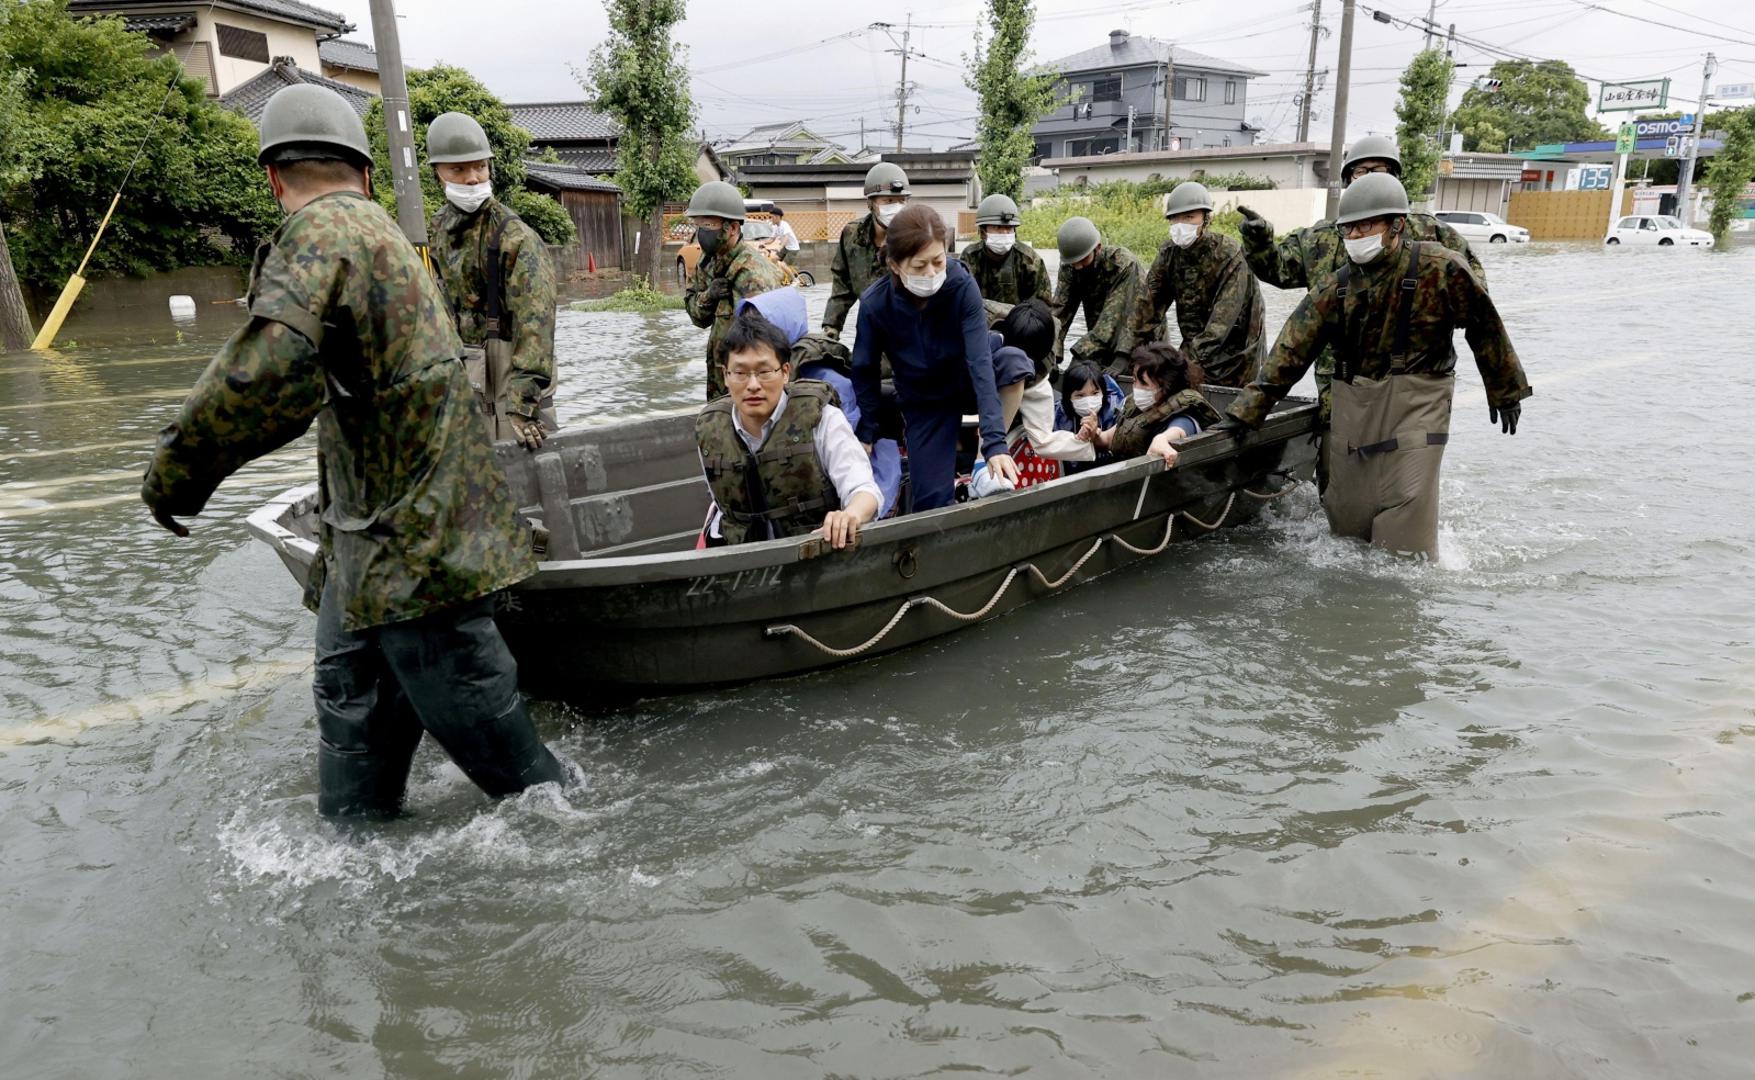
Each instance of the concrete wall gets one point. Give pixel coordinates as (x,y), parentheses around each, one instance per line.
(298,42)
(1287,208)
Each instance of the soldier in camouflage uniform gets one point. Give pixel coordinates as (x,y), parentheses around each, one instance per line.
(731,269)
(1305,258)
(1389,316)
(418,529)
(859,251)
(496,274)
(1105,281)
(1007,270)
(1218,303)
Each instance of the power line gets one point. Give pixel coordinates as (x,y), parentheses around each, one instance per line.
(1665,25)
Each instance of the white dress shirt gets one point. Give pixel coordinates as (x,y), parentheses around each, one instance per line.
(1037,412)
(838,451)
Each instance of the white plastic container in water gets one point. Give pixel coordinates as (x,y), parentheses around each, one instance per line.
(183,308)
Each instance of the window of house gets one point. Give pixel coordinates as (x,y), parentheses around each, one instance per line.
(1108,145)
(1043,149)
(1106,87)
(1230,91)
(1227,141)
(1078,147)
(1190,88)
(242,44)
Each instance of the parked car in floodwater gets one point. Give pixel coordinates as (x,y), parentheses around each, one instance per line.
(1480,227)
(1656,230)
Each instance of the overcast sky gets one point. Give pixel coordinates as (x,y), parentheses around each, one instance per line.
(756,63)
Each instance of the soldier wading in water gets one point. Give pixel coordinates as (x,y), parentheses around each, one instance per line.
(418,530)
(1388,315)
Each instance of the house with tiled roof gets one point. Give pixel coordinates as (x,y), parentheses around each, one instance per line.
(251,98)
(351,62)
(1141,94)
(224,44)
(578,134)
(788,143)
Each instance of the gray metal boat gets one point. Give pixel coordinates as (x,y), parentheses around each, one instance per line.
(624,599)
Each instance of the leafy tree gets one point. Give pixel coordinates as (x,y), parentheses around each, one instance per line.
(1012,100)
(1425,92)
(639,75)
(441,89)
(88,94)
(1539,101)
(1731,170)
(15,328)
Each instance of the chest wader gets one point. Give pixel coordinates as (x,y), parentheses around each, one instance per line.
(1385,442)
(489,364)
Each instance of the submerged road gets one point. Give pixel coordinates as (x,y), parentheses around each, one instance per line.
(1268,806)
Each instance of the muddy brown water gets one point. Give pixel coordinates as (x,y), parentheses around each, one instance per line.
(1269,806)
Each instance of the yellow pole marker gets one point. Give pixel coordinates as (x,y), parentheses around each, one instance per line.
(70,293)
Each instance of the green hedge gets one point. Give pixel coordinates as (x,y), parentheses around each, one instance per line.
(1128,214)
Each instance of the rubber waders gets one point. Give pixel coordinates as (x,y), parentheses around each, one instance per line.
(1383,450)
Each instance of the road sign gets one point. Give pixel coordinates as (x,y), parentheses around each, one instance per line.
(1633,96)
(1595,177)
(1625,139)
(1734,91)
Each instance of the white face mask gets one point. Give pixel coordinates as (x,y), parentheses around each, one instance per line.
(1088,405)
(924,284)
(469,197)
(1144,399)
(1365,249)
(887,213)
(1000,243)
(1183,234)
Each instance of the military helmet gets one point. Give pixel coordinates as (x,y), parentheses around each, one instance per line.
(996,210)
(716,198)
(1373,146)
(308,121)
(1371,196)
(886,178)
(453,137)
(1188,195)
(1077,238)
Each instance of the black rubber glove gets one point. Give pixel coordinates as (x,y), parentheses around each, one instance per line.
(1505,416)
(1254,222)
(1233,427)
(1248,214)
(718,289)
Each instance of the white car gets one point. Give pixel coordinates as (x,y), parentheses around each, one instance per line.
(1478,226)
(1656,230)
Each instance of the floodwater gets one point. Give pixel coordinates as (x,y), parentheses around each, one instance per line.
(1269,806)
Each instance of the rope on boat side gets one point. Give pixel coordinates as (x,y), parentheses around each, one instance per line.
(1270,496)
(1223,514)
(1011,575)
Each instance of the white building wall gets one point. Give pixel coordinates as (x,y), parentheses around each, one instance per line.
(298,42)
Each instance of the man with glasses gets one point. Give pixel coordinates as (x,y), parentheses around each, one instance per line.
(1388,316)
(780,459)
(1305,258)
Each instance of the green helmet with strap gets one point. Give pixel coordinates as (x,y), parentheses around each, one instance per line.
(716,198)
(453,137)
(886,178)
(307,121)
(1372,196)
(1077,238)
(1373,146)
(997,210)
(1189,195)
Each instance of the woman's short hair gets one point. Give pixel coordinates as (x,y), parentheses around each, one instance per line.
(909,233)
(750,329)
(1165,363)
(1080,373)
(1029,326)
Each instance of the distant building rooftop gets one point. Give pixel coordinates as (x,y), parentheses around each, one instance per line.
(251,96)
(353,55)
(563,121)
(1125,50)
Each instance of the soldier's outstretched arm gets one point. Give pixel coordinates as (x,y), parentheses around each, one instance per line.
(841,295)
(1307,331)
(1230,302)
(530,294)
(1450,238)
(260,392)
(1279,263)
(1502,372)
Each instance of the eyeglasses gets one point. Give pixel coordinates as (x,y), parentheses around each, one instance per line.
(766,374)
(1355,229)
(1366,170)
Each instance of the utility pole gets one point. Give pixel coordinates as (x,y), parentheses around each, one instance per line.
(1310,72)
(1337,144)
(1685,179)
(1169,86)
(1431,14)
(411,210)
(902,86)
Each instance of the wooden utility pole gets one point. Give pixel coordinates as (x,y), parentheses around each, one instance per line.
(1310,71)
(15,328)
(1337,144)
(902,86)
(411,207)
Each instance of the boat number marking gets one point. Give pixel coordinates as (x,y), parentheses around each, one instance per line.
(762,577)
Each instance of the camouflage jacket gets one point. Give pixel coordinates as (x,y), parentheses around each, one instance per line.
(1218,306)
(527,285)
(1013,279)
(348,328)
(794,489)
(1361,327)
(1137,427)
(750,273)
(1305,258)
(858,263)
(1108,291)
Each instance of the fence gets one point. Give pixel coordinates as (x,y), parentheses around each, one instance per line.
(1564,215)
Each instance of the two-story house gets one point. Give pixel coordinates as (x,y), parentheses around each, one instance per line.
(1138,93)
(226,43)
(782,144)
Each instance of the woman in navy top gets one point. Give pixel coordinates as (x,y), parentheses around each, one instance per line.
(926,316)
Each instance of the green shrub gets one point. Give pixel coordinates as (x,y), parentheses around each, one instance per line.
(640,296)
(542,213)
(1127,214)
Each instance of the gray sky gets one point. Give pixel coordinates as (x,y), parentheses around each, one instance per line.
(522,48)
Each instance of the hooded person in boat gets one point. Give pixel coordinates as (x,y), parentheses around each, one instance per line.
(780,457)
